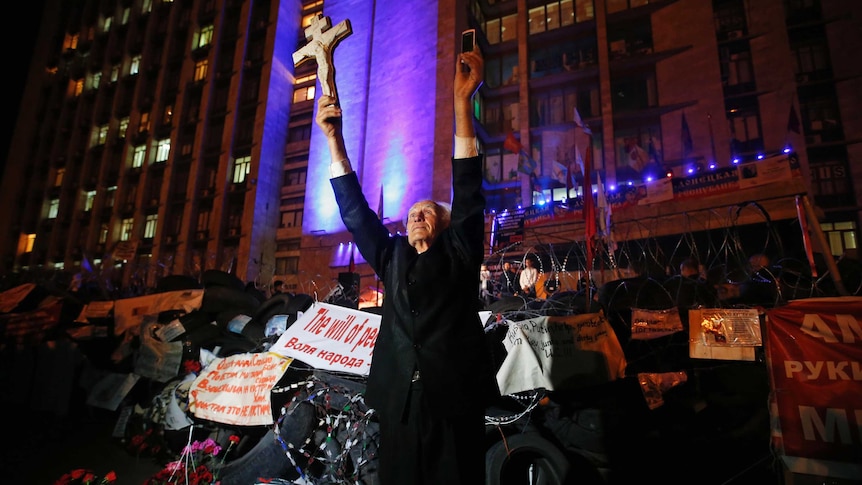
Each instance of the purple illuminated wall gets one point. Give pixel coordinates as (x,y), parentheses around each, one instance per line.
(385,78)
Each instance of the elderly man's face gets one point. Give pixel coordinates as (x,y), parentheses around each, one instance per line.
(422,223)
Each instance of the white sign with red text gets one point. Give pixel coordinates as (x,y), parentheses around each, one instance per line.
(331,337)
(237,389)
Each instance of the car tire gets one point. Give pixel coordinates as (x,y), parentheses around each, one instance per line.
(525,458)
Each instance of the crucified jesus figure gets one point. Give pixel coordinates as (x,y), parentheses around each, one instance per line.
(321,41)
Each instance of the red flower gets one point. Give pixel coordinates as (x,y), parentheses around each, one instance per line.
(234,439)
(191,366)
(110,477)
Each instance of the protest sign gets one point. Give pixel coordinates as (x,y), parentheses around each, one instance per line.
(557,353)
(332,337)
(236,389)
(814,351)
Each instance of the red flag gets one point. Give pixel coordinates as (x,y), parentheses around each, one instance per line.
(589,205)
(512,144)
(379,206)
(352,266)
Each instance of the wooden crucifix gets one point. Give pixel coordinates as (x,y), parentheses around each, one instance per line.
(321,41)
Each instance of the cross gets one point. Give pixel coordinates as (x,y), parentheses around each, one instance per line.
(321,41)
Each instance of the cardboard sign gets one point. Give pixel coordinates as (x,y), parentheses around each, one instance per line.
(723,333)
(332,337)
(130,312)
(650,324)
(236,389)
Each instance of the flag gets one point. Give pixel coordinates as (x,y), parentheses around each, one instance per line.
(638,157)
(654,151)
(379,207)
(561,172)
(604,207)
(589,206)
(526,164)
(687,144)
(512,144)
(793,123)
(580,123)
(352,266)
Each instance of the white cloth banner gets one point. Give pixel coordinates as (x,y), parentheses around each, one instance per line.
(332,337)
(557,353)
(236,389)
(129,312)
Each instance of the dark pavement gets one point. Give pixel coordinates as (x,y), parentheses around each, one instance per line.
(39,451)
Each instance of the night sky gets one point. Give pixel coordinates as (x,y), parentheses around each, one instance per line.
(19,39)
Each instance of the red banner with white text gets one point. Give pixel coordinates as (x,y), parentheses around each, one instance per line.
(814,351)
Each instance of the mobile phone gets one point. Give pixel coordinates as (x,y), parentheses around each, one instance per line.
(468,40)
(468,43)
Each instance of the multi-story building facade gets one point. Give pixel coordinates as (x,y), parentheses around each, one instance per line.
(168,137)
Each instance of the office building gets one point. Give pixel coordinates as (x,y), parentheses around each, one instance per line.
(169,137)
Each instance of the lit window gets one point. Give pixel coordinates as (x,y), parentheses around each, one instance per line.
(31,240)
(201,70)
(93,80)
(841,236)
(89,200)
(79,87)
(123,128)
(138,156)
(147,6)
(115,73)
(110,196)
(150,226)
(70,42)
(53,208)
(100,135)
(206,36)
(303,94)
(126,229)
(103,234)
(144,123)
(127,12)
(135,65)
(58,179)
(163,150)
(168,114)
(241,168)
(106,25)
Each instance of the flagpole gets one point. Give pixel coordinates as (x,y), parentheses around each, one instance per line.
(711,138)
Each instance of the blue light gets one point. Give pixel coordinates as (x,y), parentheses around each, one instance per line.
(759,156)
(629,183)
(690,170)
(612,188)
(712,166)
(787,149)
(649,178)
(735,161)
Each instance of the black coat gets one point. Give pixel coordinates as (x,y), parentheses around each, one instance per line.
(430,312)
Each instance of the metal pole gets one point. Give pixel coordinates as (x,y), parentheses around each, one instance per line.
(824,246)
